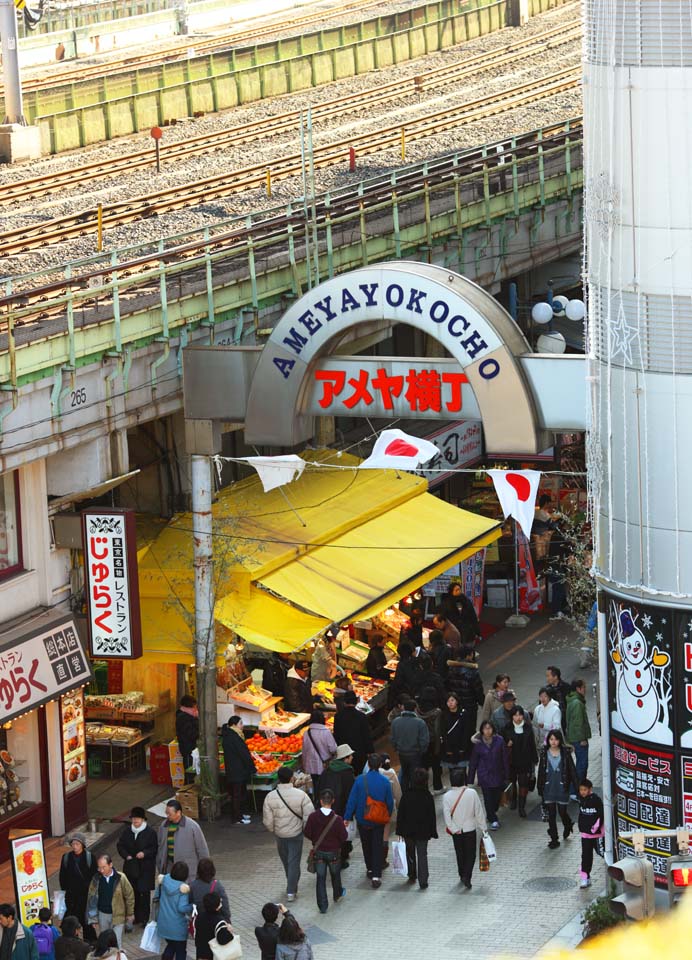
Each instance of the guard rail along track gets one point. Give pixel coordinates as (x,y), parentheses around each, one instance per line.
(108,294)
(254,176)
(23,190)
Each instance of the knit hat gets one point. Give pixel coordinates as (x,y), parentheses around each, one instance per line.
(78,836)
(350,698)
(138,812)
(343,751)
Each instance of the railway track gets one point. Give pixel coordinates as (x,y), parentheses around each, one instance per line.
(181,51)
(31,237)
(34,188)
(33,308)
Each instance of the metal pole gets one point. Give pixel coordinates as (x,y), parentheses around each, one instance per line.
(14,112)
(311,155)
(303,167)
(610,857)
(516,568)
(205,645)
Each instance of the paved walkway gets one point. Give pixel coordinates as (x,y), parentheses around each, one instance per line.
(528,896)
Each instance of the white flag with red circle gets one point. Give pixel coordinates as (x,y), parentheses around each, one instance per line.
(516,490)
(397,450)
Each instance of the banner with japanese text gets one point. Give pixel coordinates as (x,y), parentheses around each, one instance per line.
(111,583)
(30,877)
(39,667)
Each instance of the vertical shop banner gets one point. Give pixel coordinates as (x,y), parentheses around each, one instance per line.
(111,583)
(529,591)
(644,798)
(472,575)
(640,655)
(30,878)
(73,741)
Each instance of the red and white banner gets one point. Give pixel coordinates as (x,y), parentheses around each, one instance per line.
(516,490)
(529,591)
(397,450)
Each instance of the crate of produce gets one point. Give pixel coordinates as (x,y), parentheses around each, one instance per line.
(267,767)
(289,746)
(251,696)
(102,713)
(146,713)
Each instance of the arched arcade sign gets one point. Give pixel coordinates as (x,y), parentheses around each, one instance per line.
(464,318)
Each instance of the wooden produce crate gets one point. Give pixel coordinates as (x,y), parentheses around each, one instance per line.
(189,801)
(103,713)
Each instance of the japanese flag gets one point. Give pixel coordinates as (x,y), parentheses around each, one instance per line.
(276,471)
(516,490)
(397,450)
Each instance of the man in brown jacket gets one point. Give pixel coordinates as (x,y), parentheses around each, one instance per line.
(285,813)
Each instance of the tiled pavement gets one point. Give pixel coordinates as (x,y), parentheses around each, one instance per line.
(529,895)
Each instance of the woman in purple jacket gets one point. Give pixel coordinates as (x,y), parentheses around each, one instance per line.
(490,759)
(319,747)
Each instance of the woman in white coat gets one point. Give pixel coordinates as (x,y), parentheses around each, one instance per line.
(547,716)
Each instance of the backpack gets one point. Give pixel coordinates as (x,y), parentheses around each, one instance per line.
(43,935)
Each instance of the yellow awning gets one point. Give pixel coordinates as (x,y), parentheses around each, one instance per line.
(267,622)
(376,563)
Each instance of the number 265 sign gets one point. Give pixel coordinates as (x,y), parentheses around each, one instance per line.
(111,583)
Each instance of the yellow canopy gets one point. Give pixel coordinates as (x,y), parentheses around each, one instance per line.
(379,561)
(268,622)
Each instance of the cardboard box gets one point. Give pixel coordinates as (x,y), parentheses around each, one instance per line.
(189,801)
(174,751)
(177,772)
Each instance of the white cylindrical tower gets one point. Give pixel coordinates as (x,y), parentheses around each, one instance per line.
(638,202)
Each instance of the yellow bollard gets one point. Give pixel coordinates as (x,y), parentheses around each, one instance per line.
(269,183)
(99,228)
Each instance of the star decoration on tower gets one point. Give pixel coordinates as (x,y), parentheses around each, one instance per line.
(622,336)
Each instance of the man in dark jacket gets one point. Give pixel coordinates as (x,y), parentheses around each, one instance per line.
(187,732)
(238,766)
(138,845)
(338,777)
(558,690)
(352,727)
(450,634)
(465,680)
(428,685)
(440,653)
(268,934)
(411,739)
(298,691)
(274,676)
(17,942)
(406,673)
(374,665)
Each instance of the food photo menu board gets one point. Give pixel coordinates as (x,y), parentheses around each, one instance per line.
(73,740)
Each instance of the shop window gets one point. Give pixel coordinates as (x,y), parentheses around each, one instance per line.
(10,530)
(20,771)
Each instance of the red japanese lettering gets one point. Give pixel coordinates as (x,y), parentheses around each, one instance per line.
(333,382)
(99,572)
(424,390)
(388,387)
(92,547)
(360,391)
(99,594)
(688,657)
(455,381)
(100,621)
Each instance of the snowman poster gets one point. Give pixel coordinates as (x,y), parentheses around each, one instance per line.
(640,670)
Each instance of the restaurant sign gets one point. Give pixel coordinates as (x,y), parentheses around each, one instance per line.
(111,583)
(39,667)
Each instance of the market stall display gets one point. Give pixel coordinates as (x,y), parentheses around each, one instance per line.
(114,751)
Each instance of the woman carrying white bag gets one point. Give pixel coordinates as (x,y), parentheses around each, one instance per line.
(464,815)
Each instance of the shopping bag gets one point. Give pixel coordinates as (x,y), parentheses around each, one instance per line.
(506,795)
(352,830)
(225,951)
(151,942)
(489,844)
(483,862)
(59,906)
(397,855)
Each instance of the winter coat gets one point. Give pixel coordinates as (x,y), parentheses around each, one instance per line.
(333,839)
(432,720)
(71,948)
(429,686)
(468,812)
(238,761)
(502,717)
(559,692)
(140,872)
(550,716)
(267,938)
(410,734)
(205,929)
(490,762)
(464,680)
(377,787)
(294,951)
(568,773)
(319,746)
(577,727)
(174,909)
(395,783)
(297,693)
(406,676)
(591,823)
(123,904)
(374,665)
(453,736)
(416,818)
(199,889)
(186,732)
(323,666)
(24,946)
(75,877)
(439,656)
(286,810)
(493,701)
(339,778)
(189,845)
(461,611)
(352,727)
(523,755)
(274,677)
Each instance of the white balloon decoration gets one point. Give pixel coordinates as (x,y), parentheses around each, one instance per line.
(551,342)
(575,310)
(560,304)
(541,313)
